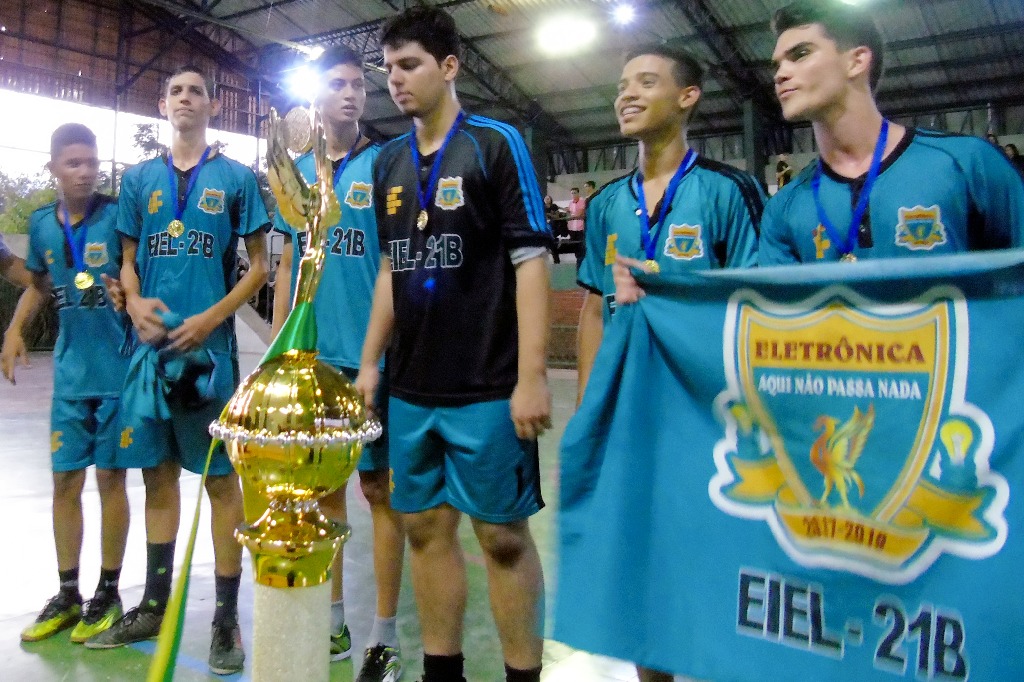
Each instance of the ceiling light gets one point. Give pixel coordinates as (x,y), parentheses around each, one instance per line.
(565,34)
(304,83)
(623,14)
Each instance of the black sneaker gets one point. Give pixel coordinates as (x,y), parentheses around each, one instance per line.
(136,626)
(380,664)
(226,655)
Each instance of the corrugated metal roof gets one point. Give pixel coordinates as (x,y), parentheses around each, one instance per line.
(942,52)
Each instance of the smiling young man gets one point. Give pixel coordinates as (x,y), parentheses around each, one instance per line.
(878,190)
(342,308)
(180,217)
(678,211)
(72,243)
(461,301)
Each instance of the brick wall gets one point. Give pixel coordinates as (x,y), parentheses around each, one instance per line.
(565,317)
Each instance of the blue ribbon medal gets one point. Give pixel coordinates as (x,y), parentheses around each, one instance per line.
(435,170)
(650,241)
(176,228)
(344,161)
(83,278)
(845,243)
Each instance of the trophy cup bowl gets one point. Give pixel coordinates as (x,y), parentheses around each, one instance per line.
(294,430)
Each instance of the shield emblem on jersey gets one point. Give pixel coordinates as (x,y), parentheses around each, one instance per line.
(852,438)
(920,228)
(359,195)
(684,242)
(212,201)
(449,194)
(96,254)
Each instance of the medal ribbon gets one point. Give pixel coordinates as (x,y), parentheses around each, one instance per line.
(77,247)
(649,241)
(435,170)
(179,206)
(344,162)
(844,244)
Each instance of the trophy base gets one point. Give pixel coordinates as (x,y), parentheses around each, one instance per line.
(293,544)
(291,634)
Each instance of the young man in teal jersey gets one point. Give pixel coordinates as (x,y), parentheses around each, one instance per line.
(180,218)
(878,190)
(342,308)
(677,212)
(72,243)
(461,304)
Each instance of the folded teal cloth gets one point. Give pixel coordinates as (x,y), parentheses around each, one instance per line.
(159,378)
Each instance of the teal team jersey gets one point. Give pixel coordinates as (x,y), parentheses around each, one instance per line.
(936,193)
(192,272)
(345,295)
(711,223)
(87,358)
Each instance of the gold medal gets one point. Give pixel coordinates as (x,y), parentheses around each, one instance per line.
(848,258)
(84,280)
(176,228)
(421,220)
(652,266)
(298,130)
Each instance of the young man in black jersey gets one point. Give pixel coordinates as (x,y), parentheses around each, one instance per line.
(461,300)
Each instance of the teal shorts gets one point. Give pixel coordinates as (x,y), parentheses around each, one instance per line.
(185,437)
(375,453)
(467,456)
(84,432)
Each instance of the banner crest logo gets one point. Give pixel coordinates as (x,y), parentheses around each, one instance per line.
(847,430)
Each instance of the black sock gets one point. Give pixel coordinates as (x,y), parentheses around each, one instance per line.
(108,585)
(159,573)
(517,675)
(442,668)
(69,584)
(227,598)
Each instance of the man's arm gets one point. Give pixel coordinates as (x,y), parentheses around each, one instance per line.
(531,399)
(12,268)
(282,288)
(29,305)
(142,311)
(378,334)
(194,330)
(588,340)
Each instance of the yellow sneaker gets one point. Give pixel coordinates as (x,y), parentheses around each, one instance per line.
(60,613)
(98,615)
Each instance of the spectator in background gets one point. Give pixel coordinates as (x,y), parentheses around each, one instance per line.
(588,189)
(783,172)
(556,222)
(991,137)
(1014,156)
(577,210)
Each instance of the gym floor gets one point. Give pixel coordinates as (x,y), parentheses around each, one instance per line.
(28,572)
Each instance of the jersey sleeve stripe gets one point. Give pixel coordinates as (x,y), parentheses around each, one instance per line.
(524,165)
(479,155)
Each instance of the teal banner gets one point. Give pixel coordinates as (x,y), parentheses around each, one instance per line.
(804,473)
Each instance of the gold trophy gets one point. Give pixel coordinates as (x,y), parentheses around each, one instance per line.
(294,431)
